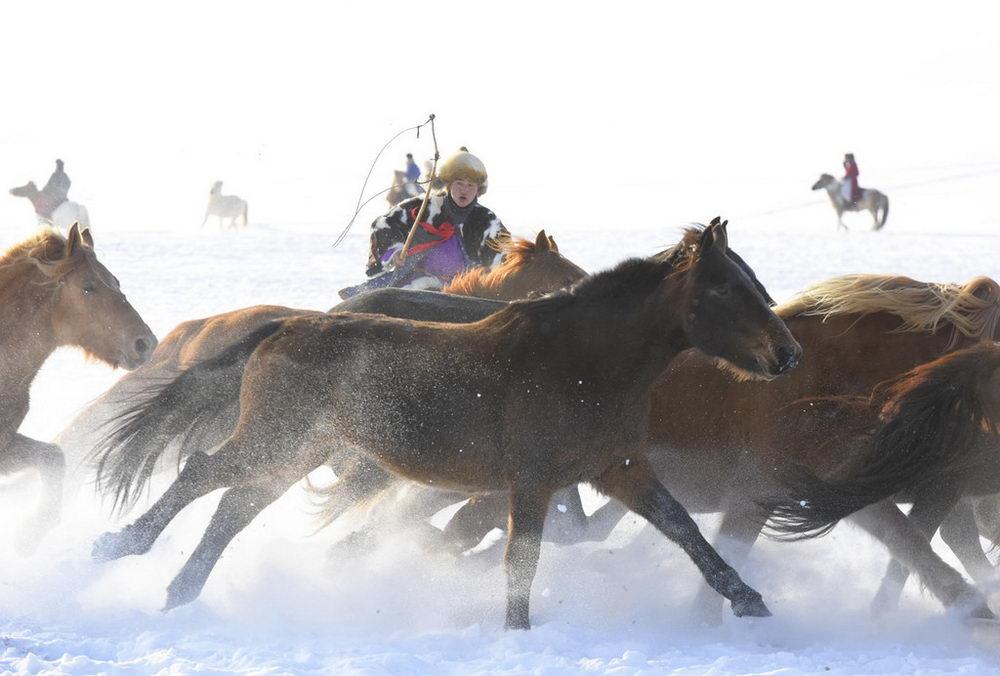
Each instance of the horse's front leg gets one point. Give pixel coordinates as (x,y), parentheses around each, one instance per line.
(635,484)
(528,507)
(22,454)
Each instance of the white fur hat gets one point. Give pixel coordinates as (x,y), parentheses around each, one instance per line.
(466,166)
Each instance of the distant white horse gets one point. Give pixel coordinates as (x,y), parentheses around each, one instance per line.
(63,216)
(872,201)
(225,207)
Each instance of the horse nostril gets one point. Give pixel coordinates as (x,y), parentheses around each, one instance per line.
(788,357)
(141,346)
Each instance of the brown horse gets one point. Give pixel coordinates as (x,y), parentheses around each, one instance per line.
(719,445)
(541,395)
(54,292)
(931,436)
(527,267)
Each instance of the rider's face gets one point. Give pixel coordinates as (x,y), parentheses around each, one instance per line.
(463,192)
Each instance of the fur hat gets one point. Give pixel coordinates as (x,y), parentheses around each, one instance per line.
(466,166)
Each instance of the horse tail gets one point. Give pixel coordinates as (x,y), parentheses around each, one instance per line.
(931,420)
(187,408)
(884,203)
(246,210)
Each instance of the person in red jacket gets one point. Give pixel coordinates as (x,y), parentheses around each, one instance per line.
(850,189)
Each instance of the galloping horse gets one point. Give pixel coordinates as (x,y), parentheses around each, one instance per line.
(64,215)
(225,207)
(930,436)
(54,292)
(732,441)
(872,201)
(542,394)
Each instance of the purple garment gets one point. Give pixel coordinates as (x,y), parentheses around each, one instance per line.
(443,261)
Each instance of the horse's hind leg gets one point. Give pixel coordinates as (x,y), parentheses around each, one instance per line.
(960,532)
(886,522)
(199,477)
(238,507)
(524,542)
(634,483)
(926,515)
(24,453)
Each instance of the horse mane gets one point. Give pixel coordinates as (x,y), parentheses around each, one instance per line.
(922,306)
(476,281)
(44,250)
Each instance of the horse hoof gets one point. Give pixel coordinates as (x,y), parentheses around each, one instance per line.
(179,594)
(750,606)
(110,546)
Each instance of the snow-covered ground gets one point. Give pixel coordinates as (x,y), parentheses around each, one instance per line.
(281,601)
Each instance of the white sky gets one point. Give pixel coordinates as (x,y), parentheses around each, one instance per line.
(643,107)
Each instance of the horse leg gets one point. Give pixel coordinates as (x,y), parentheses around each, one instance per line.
(961,533)
(738,532)
(24,453)
(238,507)
(603,521)
(887,523)
(201,475)
(926,515)
(524,542)
(471,523)
(635,484)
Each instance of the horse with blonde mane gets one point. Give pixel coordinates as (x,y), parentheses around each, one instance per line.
(54,292)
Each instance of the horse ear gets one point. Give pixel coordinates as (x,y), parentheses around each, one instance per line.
(541,242)
(720,237)
(88,238)
(73,241)
(553,247)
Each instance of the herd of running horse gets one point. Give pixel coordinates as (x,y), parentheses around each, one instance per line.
(670,384)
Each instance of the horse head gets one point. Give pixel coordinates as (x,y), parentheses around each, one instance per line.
(726,314)
(216,188)
(824,182)
(89,310)
(28,190)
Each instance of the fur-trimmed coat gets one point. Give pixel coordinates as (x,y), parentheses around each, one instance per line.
(390,231)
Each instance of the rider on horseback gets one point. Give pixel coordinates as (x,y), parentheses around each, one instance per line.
(456,233)
(851,190)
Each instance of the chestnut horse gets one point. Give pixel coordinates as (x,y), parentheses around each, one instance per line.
(54,292)
(930,437)
(538,396)
(527,267)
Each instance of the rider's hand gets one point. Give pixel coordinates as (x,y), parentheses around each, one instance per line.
(397,259)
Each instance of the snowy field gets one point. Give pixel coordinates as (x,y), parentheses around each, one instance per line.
(282,600)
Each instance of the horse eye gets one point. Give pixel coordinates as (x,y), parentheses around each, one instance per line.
(722,290)
(88,288)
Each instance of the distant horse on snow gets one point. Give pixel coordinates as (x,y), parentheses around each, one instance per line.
(225,207)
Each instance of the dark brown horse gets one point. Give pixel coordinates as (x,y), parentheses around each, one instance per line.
(527,267)
(930,436)
(541,395)
(720,445)
(54,292)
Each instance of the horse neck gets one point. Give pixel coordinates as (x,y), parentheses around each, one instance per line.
(35,197)
(26,335)
(627,344)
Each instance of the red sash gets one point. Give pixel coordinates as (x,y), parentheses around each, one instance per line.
(443,232)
